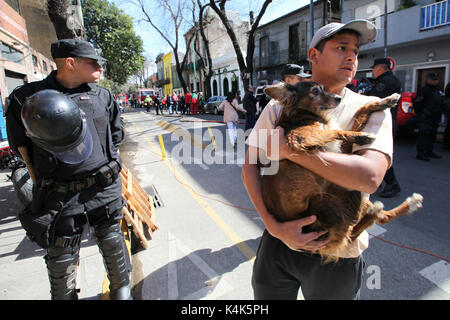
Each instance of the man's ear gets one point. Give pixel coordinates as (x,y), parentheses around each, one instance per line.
(313,55)
(70,63)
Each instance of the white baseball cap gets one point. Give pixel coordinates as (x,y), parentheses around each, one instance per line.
(367,31)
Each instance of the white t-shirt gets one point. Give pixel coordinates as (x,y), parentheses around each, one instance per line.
(380,125)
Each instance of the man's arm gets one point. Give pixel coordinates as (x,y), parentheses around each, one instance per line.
(288,232)
(363,171)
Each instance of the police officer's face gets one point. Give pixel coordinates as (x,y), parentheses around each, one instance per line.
(89,70)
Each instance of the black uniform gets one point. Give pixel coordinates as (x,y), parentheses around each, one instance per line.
(249,103)
(383,86)
(73,193)
(429,105)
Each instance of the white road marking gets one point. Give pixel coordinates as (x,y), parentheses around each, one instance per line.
(439,274)
(214,288)
(172,269)
(375,230)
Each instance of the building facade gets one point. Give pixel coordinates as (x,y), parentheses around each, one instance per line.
(19,62)
(286,40)
(418,38)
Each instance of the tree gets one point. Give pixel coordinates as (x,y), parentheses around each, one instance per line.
(111,30)
(173,13)
(207,72)
(64,17)
(245,65)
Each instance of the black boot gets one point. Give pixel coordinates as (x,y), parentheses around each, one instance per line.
(422,156)
(112,246)
(390,190)
(62,266)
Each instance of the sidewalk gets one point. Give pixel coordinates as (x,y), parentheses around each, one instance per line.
(23,273)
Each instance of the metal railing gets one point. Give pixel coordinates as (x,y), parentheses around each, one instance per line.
(435,15)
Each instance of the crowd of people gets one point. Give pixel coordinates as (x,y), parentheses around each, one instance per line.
(171,104)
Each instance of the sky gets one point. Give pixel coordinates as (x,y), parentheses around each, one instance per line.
(155,44)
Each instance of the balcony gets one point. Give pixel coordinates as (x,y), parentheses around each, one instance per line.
(405,28)
(435,15)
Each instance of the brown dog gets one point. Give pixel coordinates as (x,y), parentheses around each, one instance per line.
(295,192)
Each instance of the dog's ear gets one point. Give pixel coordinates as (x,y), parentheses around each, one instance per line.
(282,92)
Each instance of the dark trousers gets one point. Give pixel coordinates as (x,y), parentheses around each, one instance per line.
(279,272)
(99,218)
(389,177)
(427,135)
(250,120)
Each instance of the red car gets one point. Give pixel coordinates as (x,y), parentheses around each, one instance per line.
(406,117)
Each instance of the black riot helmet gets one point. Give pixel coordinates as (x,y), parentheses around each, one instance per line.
(55,123)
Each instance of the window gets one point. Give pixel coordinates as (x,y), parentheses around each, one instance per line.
(44,65)
(11,54)
(35,60)
(263,51)
(215,91)
(294,44)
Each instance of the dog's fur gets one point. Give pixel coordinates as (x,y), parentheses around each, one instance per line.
(295,192)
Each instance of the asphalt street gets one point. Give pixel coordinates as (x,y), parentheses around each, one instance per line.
(209,231)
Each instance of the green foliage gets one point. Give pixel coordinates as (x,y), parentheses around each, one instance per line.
(405,4)
(111,30)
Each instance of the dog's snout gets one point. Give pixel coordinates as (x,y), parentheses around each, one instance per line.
(337,99)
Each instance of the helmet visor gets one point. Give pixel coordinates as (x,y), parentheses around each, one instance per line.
(77,154)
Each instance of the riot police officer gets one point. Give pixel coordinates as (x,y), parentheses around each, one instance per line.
(429,105)
(69,137)
(385,84)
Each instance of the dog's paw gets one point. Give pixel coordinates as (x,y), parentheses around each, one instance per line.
(364,139)
(376,208)
(295,142)
(415,202)
(391,101)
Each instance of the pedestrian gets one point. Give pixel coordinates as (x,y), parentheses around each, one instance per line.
(169,102)
(279,271)
(385,84)
(182,105)
(148,102)
(188,101)
(249,103)
(194,103)
(74,164)
(447,114)
(158,106)
(294,73)
(175,102)
(163,103)
(263,101)
(229,106)
(429,105)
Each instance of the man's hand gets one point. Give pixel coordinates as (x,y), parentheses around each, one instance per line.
(277,149)
(292,235)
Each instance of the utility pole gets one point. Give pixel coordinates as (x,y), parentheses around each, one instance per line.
(311,11)
(385,27)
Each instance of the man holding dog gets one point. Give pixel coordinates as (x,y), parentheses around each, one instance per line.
(279,271)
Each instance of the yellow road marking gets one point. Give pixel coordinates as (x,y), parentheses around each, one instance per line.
(238,241)
(180,132)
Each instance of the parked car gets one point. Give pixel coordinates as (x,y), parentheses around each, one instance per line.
(212,105)
(406,117)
